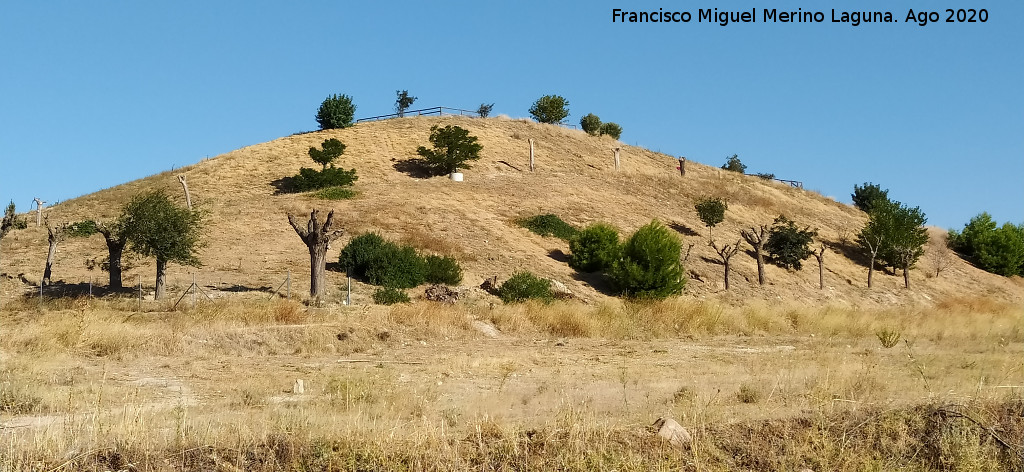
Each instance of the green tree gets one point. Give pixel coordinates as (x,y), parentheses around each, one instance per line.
(865,196)
(157,227)
(733,163)
(649,267)
(990,247)
(336,111)
(594,249)
(611,129)
(453,148)
(403,102)
(484,110)
(788,245)
(591,124)
(330,150)
(895,234)
(551,109)
(711,211)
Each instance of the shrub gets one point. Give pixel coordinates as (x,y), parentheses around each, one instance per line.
(594,249)
(550,109)
(591,124)
(711,211)
(733,163)
(524,286)
(443,270)
(330,150)
(453,148)
(765,176)
(748,394)
(993,248)
(611,129)
(549,225)
(335,193)
(357,254)
(336,111)
(389,296)
(789,245)
(403,101)
(397,266)
(649,266)
(484,110)
(865,196)
(312,179)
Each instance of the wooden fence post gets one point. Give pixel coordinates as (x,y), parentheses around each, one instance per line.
(532,166)
(682,167)
(616,158)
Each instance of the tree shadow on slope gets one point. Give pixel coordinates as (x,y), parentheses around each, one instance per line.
(415,168)
(852,251)
(558,255)
(681,228)
(597,281)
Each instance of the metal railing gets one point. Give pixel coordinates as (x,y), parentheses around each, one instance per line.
(438,111)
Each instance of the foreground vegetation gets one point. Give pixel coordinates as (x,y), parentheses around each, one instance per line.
(94,384)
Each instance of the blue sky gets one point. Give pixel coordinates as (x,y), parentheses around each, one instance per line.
(99,93)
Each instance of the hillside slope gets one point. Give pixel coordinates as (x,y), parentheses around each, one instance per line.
(250,245)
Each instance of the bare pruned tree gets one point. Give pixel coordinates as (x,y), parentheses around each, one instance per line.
(756,237)
(55,234)
(317,236)
(940,257)
(725,253)
(116,238)
(820,256)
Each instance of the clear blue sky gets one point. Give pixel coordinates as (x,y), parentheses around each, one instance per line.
(98,93)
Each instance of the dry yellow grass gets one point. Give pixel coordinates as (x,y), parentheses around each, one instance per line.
(91,383)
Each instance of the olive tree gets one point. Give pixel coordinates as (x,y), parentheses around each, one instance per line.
(317,236)
(157,227)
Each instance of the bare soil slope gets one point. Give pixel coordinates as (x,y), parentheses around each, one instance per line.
(250,246)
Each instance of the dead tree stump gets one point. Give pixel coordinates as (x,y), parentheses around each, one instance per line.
(184,185)
(317,236)
(55,234)
(725,253)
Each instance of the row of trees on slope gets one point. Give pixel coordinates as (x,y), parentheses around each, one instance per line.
(338,111)
(150,224)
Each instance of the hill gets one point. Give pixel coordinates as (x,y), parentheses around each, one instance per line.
(250,246)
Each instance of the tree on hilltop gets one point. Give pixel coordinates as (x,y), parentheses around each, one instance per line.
(551,109)
(336,111)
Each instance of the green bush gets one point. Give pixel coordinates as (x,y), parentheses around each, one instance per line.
(443,270)
(865,196)
(611,129)
(312,179)
(453,148)
(733,163)
(389,296)
(993,248)
(788,245)
(591,124)
(330,150)
(594,249)
(524,286)
(336,111)
(335,193)
(550,109)
(549,225)
(649,266)
(765,175)
(711,211)
(357,254)
(397,266)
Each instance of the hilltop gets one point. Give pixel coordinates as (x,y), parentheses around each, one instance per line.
(250,246)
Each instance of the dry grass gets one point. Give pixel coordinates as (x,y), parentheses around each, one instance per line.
(96,385)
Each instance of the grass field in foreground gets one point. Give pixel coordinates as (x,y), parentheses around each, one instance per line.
(90,384)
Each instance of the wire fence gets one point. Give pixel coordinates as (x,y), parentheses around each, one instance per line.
(433,111)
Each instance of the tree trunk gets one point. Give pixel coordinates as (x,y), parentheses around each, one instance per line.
(727,274)
(906,276)
(871,270)
(49,262)
(114,253)
(317,236)
(317,266)
(161,278)
(760,265)
(184,185)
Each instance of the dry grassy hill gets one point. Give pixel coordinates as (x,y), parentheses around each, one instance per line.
(251,246)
